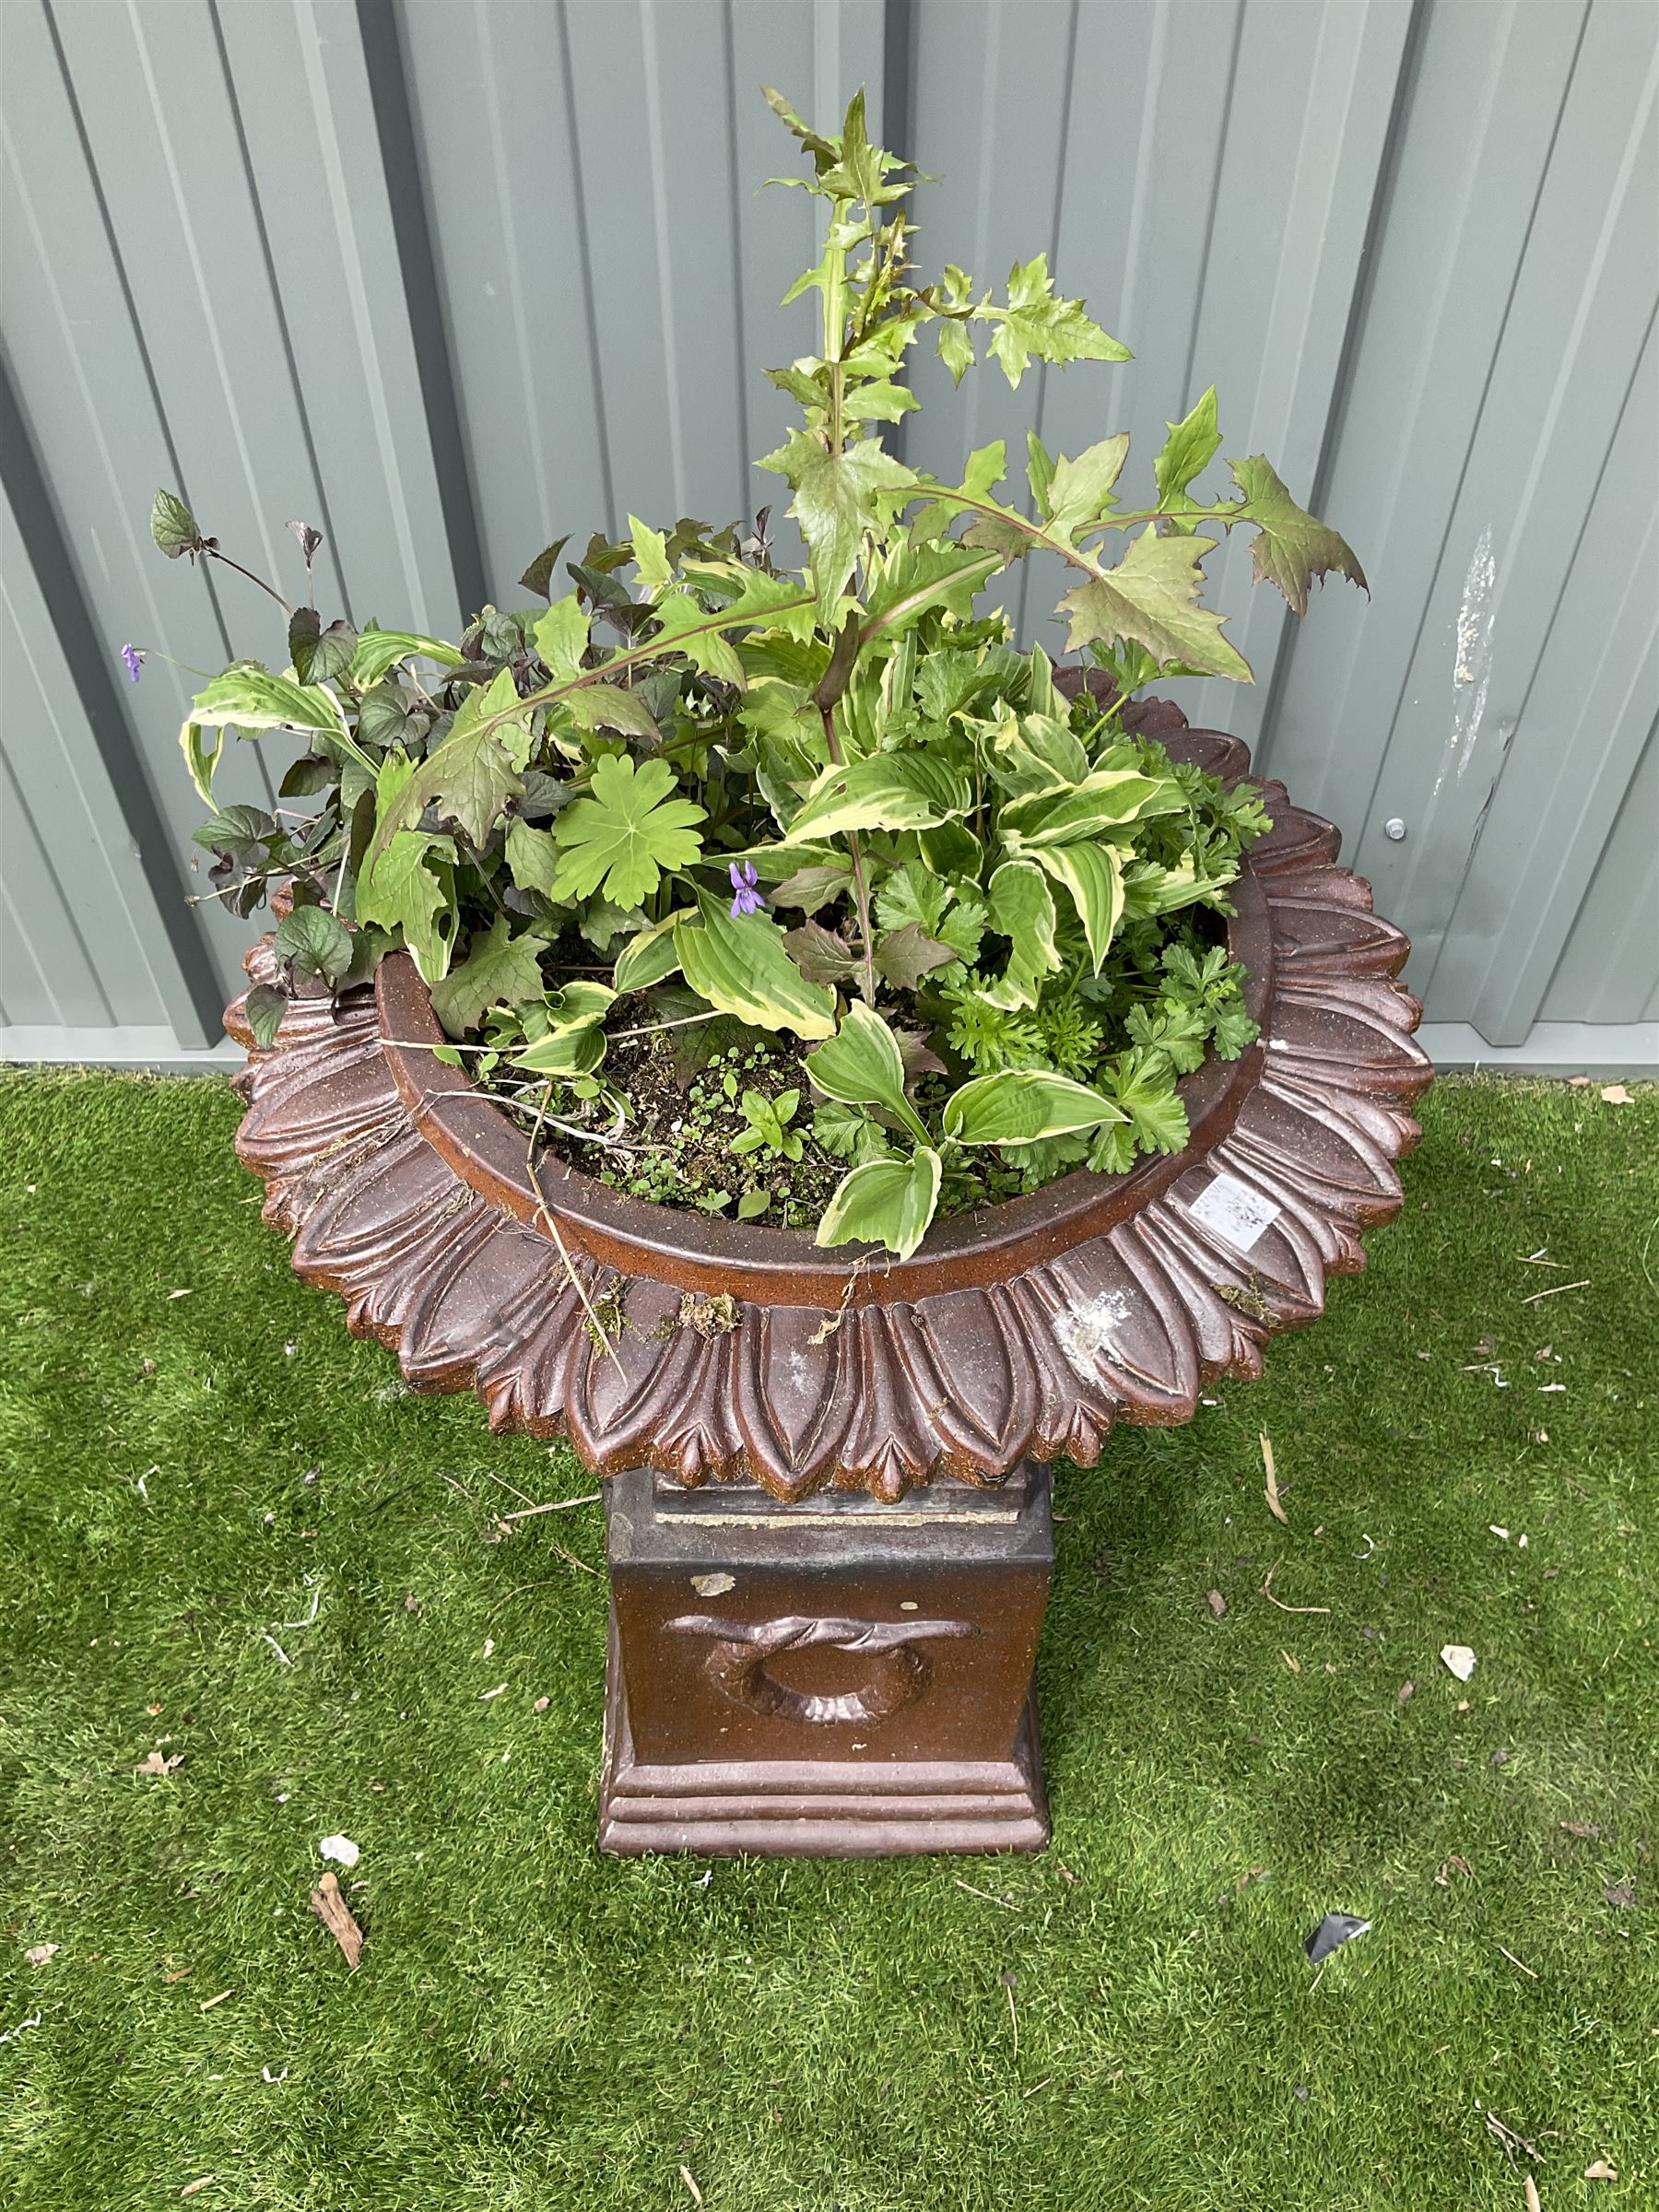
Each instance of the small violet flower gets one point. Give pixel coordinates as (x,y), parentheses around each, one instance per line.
(134,659)
(749,899)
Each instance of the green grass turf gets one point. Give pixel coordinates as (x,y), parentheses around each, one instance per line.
(534,2026)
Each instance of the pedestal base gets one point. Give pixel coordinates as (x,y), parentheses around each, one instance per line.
(833,1680)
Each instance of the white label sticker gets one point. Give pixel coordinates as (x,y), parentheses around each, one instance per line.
(1234,1211)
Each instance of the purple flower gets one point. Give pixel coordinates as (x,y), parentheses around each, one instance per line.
(749,899)
(134,659)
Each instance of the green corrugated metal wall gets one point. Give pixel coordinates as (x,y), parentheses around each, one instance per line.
(449,277)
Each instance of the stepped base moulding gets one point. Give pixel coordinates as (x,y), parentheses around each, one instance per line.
(744,1363)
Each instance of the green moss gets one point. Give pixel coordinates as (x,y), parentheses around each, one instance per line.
(535,2027)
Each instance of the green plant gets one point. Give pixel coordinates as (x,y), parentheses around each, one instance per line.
(1008,945)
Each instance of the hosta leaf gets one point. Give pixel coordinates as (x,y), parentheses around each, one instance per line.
(378,650)
(255,701)
(1291,548)
(574,1040)
(888,1201)
(1024,1108)
(1022,907)
(647,958)
(1080,491)
(740,964)
(861,1065)
(1093,875)
(1105,797)
(498,970)
(920,577)
(1035,322)
(1151,598)
(202,749)
(885,790)
(836,496)
(311,941)
(626,834)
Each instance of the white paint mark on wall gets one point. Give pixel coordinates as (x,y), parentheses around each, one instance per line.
(1471,675)
(1083,1331)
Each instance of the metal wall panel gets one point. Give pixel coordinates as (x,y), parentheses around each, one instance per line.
(451,277)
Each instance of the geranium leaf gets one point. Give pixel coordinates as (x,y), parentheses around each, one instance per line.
(1151,598)
(627,835)
(741,964)
(1291,548)
(1142,1084)
(888,1201)
(498,970)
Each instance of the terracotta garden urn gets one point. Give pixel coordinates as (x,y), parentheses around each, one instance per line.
(828,1493)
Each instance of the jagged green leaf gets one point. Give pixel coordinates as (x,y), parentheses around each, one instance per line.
(1152,599)
(1290,547)
(498,970)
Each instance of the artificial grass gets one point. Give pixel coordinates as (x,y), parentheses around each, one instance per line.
(534,2026)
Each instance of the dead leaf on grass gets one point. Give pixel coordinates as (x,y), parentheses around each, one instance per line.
(1215,1602)
(1294,1665)
(207,2180)
(1599,2171)
(1271,1492)
(1583,1829)
(334,1913)
(1406,1691)
(1454,1865)
(697,2195)
(1615,1094)
(157,1763)
(1621,1895)
(39,1953)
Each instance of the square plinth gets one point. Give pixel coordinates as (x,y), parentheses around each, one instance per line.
(833,1679)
